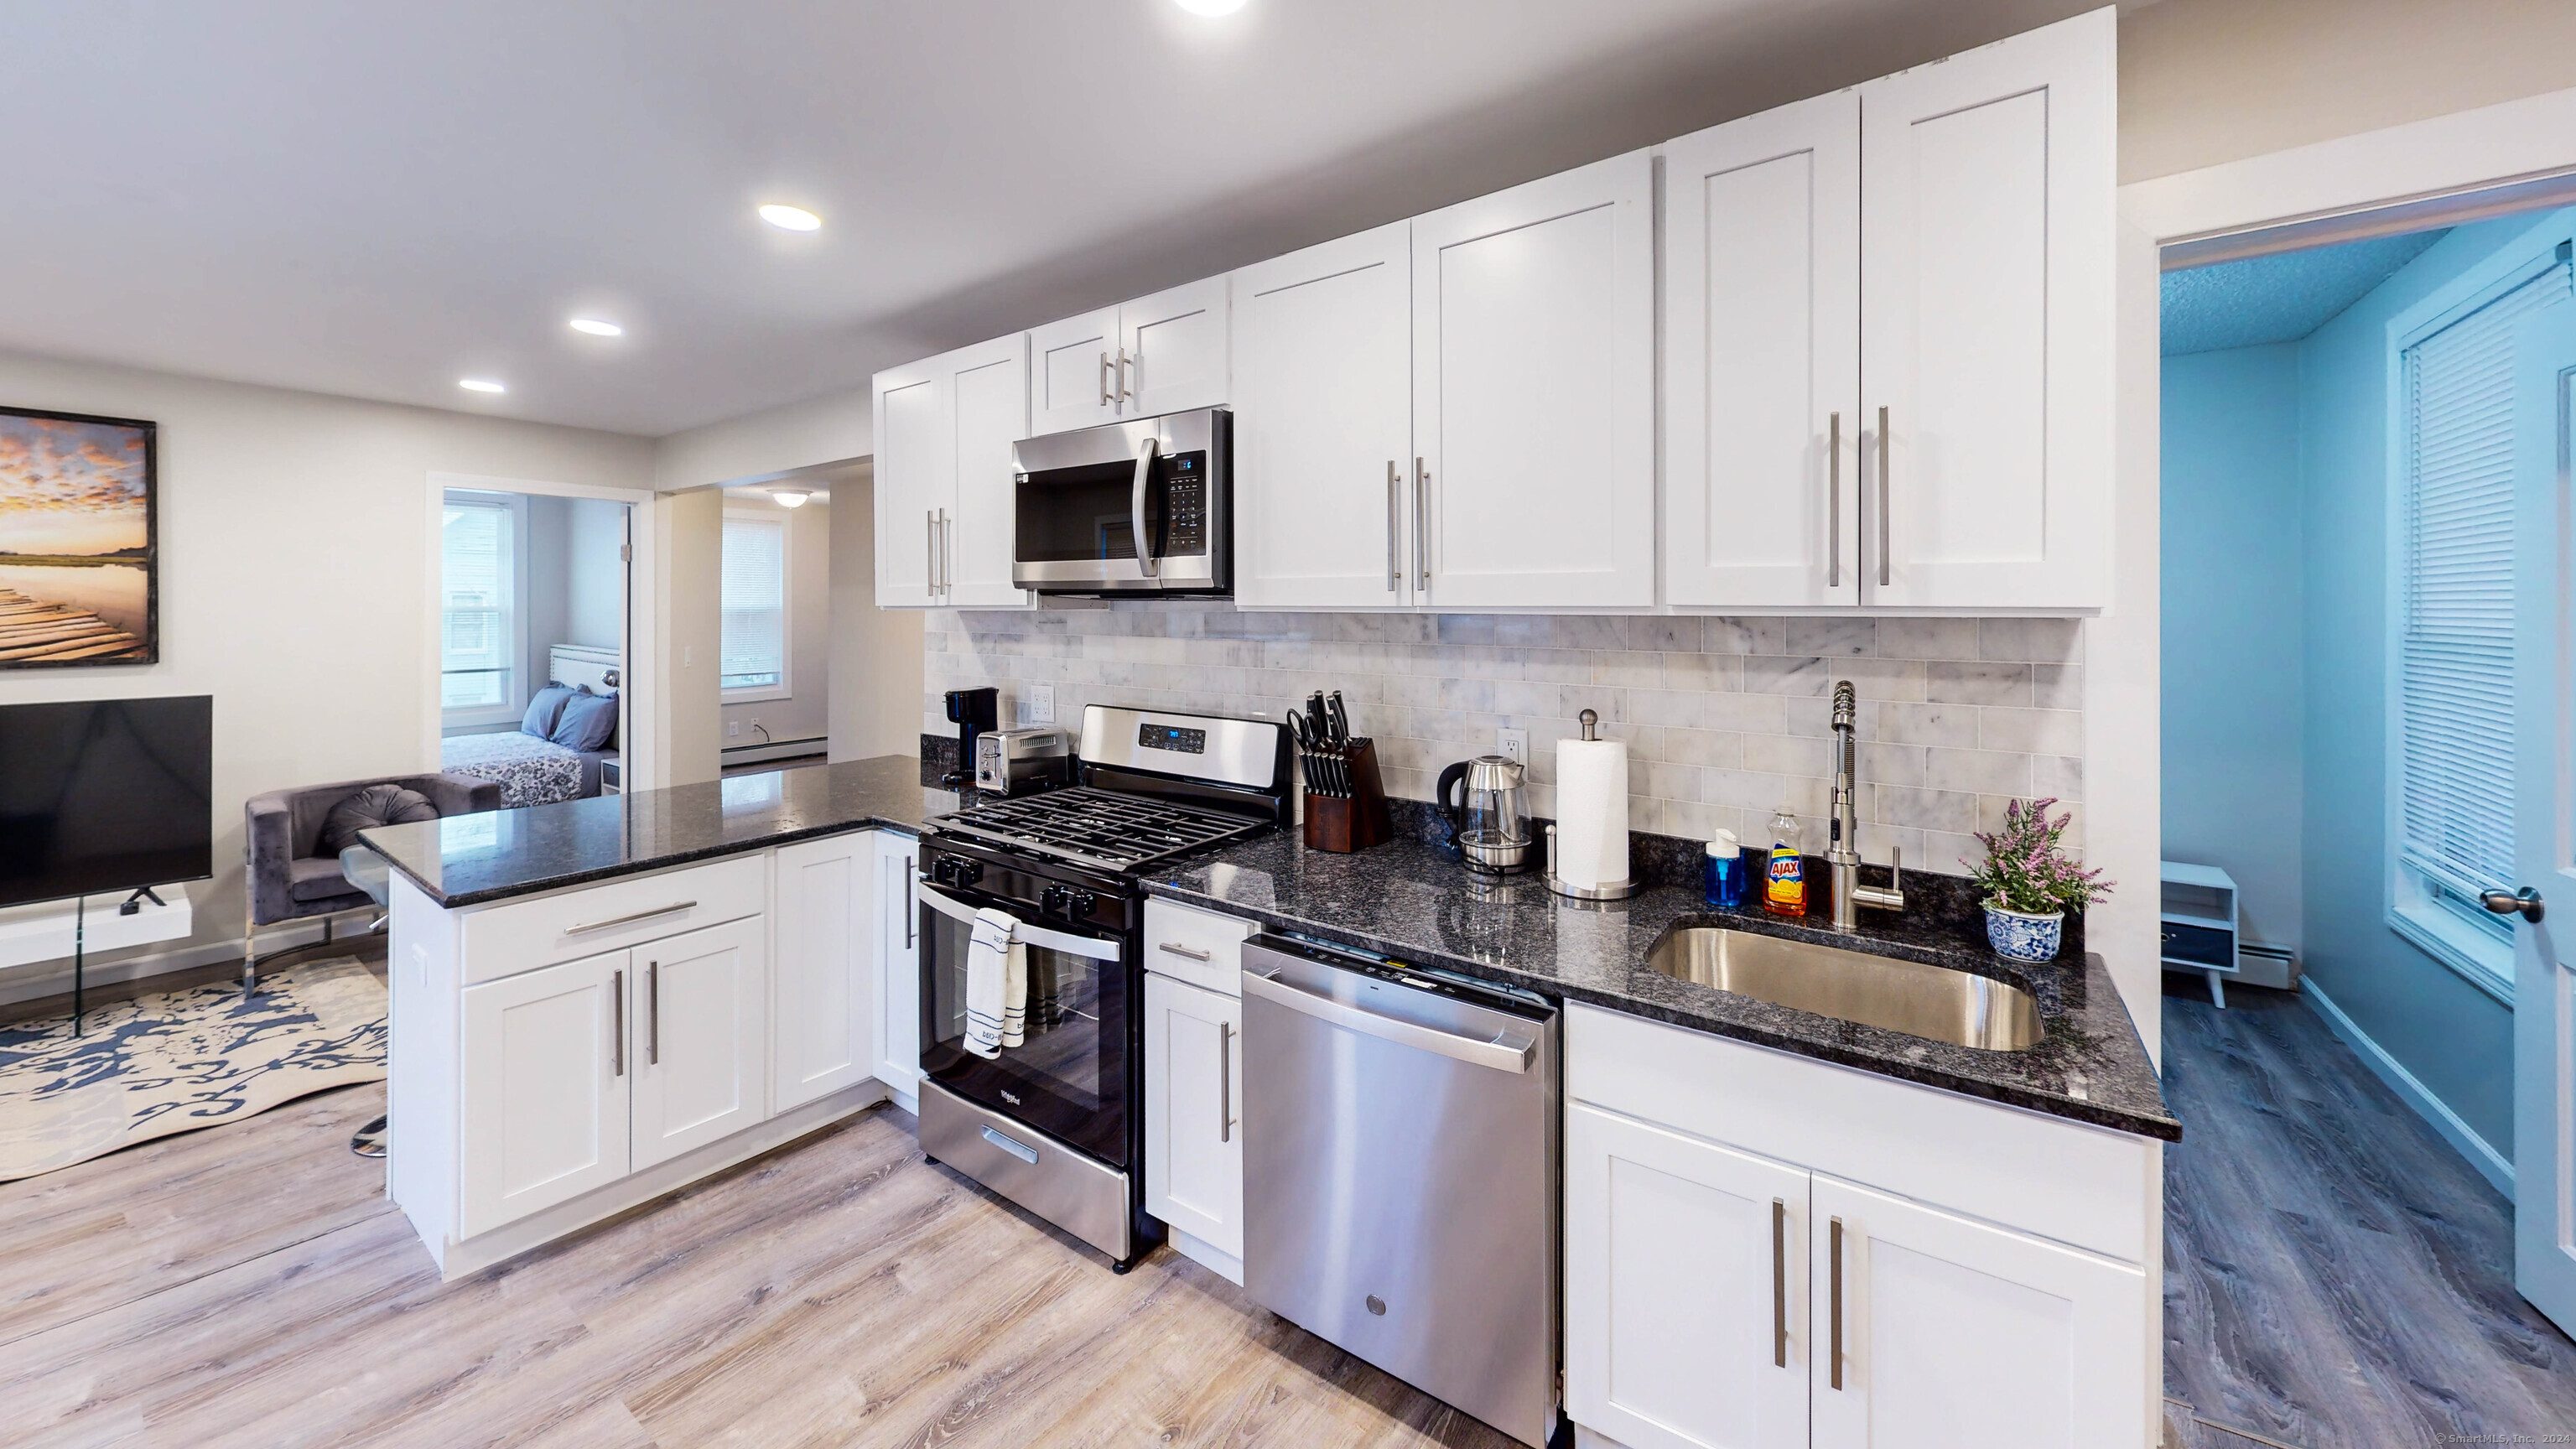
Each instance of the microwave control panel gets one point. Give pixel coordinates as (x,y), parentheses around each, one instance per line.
(1185,504)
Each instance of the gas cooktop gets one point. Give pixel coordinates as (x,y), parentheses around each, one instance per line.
(1106,828)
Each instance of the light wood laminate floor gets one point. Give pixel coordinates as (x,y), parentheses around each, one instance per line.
(248,1285)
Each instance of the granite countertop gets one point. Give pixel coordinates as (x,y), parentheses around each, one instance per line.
(1404,899)
(466,860)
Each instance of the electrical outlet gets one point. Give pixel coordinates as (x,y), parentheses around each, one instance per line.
(1039,702)
(1514,745)
(733,729)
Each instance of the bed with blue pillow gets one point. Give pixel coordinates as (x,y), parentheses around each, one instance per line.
(555,754)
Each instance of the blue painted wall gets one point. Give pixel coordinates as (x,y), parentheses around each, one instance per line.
(2454,1038)
(2232,626)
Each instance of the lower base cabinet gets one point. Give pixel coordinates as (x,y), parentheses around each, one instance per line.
(897,922)
(1723,1298)
(701,1014)
(1194,1113)
(545,1090)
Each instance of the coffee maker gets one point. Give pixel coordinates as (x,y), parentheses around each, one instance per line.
(974,712)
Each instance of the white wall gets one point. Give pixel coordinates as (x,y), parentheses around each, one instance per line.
(688,539)
(295,534)
(806,712)
(833,428)
(594,573)
(876,653)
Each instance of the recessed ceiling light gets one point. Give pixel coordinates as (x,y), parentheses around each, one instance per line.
(480,384)
(790,497)
(792,218)
(597,328)
(1210,7)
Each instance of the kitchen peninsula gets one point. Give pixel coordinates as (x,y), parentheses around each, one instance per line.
(598,1001)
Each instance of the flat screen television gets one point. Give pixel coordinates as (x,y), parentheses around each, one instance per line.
(105,795)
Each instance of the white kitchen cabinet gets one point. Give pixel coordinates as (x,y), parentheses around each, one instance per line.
(1166,353)
(1323,425)
(944,477)
(1686,1289)
(1194,1116)
(1074,380)
(1987,186)
(1534,393)
(545,1076)
(823,981)
(898,1005)
(1762,365)
(1957,1334)
(700,1039)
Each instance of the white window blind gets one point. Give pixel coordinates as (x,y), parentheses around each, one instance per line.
(2456,646)
(477,567)
(753,649)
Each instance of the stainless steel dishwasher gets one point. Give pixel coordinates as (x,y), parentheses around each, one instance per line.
(1400,1172)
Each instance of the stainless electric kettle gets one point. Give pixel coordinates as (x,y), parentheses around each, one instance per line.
(1489,828)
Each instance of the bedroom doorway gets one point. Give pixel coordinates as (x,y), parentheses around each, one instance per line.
(535,638)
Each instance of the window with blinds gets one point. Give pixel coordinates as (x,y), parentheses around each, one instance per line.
(478,633)
(2455,647)
(752,651)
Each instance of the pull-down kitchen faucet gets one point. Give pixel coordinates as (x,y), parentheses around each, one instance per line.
(1842,852)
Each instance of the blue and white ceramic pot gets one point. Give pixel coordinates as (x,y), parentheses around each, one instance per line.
(2019,936)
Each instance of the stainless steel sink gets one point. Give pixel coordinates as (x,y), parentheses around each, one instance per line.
(1959,1007)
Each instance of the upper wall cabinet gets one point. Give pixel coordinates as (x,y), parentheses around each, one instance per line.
(1888,334)
(1160,354)
(944,432)
(1534,393)
(1323,425)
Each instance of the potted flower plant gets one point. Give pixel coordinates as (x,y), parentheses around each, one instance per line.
(2029,882)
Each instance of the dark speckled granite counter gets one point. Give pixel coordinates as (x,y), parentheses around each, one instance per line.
(1403,899)
(466,860)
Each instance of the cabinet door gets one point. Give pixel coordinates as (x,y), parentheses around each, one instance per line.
(988,411)
(1534,392)
(823,982)
(1176,350)
(1323,425)
(898,963)
(1194,1111)
(1957,1333)
(1986,263)
(701,1039)
(1685,1289)
(1762,416)
(915,483)
(1073,373)
(547,1066)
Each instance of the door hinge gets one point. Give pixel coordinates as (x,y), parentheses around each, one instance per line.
(625,553)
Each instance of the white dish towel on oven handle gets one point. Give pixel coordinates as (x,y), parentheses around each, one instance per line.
(997,984)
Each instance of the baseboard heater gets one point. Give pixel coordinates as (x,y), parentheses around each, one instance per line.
(2273,966)
(775,750)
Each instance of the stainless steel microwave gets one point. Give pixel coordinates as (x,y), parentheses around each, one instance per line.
(1138,507)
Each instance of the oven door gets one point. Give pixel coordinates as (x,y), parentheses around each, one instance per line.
(1068,1078)
(1084,500)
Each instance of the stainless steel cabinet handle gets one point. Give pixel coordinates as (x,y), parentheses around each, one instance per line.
(930,555)
(588,926)
(1394,526)
(1145,562)
(1018,1149)
(1225,1081)
(911,911)
(1421,524)
(947,553)
(1837,1271)
(1507,1053)
(1834,497)
(1184,951)
(1885,534)
(1104,379)
(617,1023)
(652,1013)
(1779,1283)
(1125,393)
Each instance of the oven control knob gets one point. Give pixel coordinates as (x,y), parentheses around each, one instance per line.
(944,871)
(1082,904)
(1054,900)
(969,872)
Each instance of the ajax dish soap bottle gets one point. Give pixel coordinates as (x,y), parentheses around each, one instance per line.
(1784,881)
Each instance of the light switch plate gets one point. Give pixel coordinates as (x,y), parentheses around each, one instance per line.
(1514,745)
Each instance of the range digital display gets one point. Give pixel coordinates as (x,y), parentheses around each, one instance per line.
(1172,737)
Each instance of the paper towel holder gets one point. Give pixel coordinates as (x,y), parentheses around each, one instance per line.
(1613,890)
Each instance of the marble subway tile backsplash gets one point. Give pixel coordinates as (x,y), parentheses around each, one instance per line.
(1725,718)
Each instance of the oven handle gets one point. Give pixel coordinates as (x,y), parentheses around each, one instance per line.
(1024,933)
(1145,561)
(1508,1052)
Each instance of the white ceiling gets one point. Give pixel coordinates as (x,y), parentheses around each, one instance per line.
(378,199)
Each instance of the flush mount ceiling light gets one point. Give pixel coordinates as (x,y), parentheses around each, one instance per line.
(793,218)
(480,384)
(596,328)
(1210,7)
(790,497)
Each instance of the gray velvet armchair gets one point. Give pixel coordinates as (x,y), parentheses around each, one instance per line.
(288,876)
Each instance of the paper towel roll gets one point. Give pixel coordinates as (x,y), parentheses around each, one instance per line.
(1591,812)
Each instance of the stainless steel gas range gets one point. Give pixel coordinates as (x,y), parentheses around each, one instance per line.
(1054,1123)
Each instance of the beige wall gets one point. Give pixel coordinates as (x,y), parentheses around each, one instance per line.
(832,428)
(876,653)
(689,553)
(2208,81)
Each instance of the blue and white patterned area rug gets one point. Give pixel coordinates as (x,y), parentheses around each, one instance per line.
(179,1060)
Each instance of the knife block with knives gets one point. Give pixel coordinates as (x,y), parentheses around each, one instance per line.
(1345,798)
